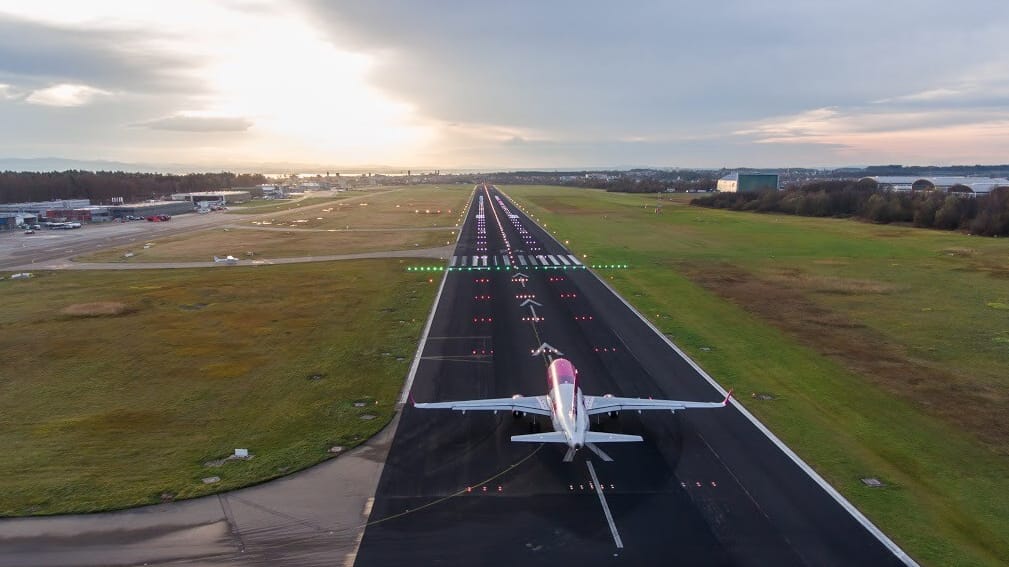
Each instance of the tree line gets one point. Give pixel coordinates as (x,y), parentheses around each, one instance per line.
(986,215)
(103,186)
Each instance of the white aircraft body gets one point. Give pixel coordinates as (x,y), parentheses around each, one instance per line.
(229,259)
(569,410)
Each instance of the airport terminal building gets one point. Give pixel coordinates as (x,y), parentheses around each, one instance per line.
(151,208)
(223,197)
(747,182)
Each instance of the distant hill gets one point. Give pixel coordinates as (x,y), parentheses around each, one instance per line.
(63,164)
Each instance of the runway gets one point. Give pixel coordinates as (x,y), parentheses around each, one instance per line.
(706,487)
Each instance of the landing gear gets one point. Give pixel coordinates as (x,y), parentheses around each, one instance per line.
(534,426)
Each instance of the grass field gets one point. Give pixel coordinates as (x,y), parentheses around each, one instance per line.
(885,347)
(269,243)
(121,388)
(415,206)
(349,222)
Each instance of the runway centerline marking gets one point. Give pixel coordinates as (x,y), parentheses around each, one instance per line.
(606,507)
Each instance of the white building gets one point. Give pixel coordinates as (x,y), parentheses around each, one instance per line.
(747,182)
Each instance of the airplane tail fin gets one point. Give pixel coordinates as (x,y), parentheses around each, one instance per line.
(600,437)
(551,437)
(216,259)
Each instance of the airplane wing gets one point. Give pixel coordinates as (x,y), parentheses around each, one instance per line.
(549,437)
(539,405)
(603,404)
(603,437)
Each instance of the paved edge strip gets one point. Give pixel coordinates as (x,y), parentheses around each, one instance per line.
(837,496)
(408,385)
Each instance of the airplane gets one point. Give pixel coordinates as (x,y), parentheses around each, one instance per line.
(569,410)
(229,259)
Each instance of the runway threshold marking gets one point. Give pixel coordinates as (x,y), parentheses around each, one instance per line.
(606,507)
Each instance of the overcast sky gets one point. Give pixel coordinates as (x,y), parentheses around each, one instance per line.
(463,84)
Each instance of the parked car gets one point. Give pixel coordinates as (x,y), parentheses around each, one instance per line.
(30,231)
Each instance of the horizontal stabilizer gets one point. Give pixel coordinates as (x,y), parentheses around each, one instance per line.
(552,437)
(600,437)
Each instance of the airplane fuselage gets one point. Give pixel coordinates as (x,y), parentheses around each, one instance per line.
(567,405)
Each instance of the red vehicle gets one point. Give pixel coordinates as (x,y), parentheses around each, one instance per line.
(159,218)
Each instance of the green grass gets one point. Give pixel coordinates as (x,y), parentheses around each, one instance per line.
(113,411)
(767,295)
(414,206)
(202,245)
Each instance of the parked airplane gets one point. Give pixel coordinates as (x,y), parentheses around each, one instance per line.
(229,259)
(569,410)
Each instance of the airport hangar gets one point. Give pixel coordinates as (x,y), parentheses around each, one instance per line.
(972,186)
(747,182)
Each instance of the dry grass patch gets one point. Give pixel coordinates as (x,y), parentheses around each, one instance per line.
(780,301)
(830,284)
(959,251)
(97,309)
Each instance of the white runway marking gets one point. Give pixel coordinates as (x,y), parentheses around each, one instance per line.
(606,507)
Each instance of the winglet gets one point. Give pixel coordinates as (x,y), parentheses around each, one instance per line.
(727,396)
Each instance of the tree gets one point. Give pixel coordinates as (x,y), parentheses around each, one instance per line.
(949,214)
(876,209)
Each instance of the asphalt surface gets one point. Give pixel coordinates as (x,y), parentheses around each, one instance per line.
(312,518)
(706,487)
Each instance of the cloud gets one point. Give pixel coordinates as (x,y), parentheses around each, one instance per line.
(592,71)
(937,94)
(7,92)
(34,54)
(453,82)
(872,135)
(196,122)
(65,95)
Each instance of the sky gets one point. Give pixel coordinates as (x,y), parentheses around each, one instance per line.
(496,85)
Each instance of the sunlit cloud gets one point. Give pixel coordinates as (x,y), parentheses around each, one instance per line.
(289,94)
(939,136)
(927,95)
(188,121)
(66,95)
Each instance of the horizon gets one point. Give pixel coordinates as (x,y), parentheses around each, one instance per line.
(321,169)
